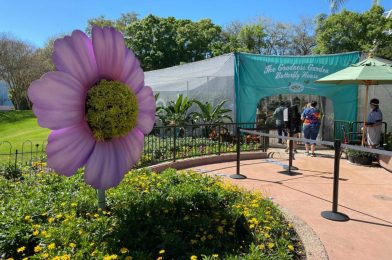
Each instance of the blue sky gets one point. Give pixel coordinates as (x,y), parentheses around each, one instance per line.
(37,20)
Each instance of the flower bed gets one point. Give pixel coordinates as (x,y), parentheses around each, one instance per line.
(173,215)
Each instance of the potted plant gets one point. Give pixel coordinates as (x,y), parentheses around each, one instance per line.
(360,157)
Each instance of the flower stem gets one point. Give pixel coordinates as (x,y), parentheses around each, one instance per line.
(101,199)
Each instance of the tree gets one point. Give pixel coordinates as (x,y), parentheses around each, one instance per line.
(176,113)
(303,38)
(212,115)
(20,64)
(164,42)
(251,38)
(349,31)
(120,24)
(278,37)
(335,5)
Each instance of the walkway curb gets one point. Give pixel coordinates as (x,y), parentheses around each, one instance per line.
(204,160)
(314,248)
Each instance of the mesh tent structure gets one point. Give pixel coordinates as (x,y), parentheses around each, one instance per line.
(210,80)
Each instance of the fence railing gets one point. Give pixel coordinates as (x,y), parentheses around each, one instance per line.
(171,143)
(166,143)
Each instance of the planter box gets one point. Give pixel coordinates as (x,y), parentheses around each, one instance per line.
(362,160)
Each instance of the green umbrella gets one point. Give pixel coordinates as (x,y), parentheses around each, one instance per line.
(370,71)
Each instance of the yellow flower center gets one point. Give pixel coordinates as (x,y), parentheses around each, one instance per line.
(111,110)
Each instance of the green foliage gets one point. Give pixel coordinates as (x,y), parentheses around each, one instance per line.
(350,31)
(357,153)
(164,42)
(11,171)
(176,113)
(173,215)
(388,142)
(212,115)
(111,110)
(120,24)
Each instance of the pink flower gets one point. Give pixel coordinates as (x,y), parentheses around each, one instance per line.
(97,105)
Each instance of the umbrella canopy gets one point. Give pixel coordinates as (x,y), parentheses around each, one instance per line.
(370,71)
(367,72)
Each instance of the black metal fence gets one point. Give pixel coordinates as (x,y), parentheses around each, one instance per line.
(171,143)
(166,143)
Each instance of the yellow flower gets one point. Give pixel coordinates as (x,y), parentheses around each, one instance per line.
(56,258)
(51,246)
(251,226)
(271,245)
(261,247)
(203,238)
(27,218)
(124,250)
(45,255)
(72,245)
(50,220)
(96,215)
(25,258)
(162,251)
(215,255)
(21,249)
(220,229)
(65,257)
(35,233)
(10,258)
(160,258)
(74,204)
(193,257)
(290,247)
(128,258)
(193,241)
(37,249)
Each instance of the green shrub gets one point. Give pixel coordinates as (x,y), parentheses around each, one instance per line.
(173,215)
(357,153)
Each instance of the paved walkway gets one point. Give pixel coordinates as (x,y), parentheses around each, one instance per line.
(365,195)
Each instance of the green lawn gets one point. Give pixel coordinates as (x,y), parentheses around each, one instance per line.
(17,127)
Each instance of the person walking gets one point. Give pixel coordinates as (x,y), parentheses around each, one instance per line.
(374,124)
(293,127)
(278,114)
(311,125)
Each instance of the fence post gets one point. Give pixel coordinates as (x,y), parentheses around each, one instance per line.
(16,158)
(334,214)
(219,139)
(174,143)
(238,175)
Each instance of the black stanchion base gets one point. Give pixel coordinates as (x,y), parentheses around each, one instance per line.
(335,216)
(292,168)
(237,176)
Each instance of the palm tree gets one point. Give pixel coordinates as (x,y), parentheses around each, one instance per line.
(335,5)
(176,113)
(212,115)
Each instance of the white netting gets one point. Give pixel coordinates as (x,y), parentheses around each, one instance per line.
(210,80)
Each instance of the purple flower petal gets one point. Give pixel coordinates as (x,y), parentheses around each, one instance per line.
(146,116)
(58,100)
(132,73)
(74,54)
(110,160)
(110,51)
(68,149)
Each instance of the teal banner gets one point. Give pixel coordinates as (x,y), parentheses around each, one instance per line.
(258,76)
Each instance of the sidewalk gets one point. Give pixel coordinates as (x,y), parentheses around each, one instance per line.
(365,195)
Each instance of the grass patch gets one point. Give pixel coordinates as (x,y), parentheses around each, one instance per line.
(19,126)
(173,215)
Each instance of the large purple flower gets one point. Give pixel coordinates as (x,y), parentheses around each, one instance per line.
(97,105)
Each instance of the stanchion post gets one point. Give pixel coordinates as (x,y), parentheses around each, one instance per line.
(238,175)
(334,214)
